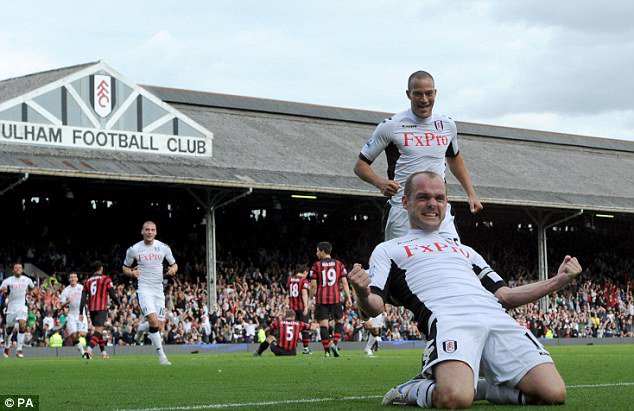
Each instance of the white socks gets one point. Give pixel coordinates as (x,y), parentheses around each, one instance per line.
(371,340)
(20,341)
(7,340)
(420,393)
(157,342)
(499,394)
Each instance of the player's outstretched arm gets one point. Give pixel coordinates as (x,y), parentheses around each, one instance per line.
(514,297)
(459,169)
(369,303)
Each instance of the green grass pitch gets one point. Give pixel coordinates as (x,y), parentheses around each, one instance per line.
(598,377)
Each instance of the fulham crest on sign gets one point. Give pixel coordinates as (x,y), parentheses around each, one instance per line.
(102,95)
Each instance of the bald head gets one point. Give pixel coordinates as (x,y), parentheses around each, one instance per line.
(418,75)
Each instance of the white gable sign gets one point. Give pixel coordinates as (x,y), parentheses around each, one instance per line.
(97,108)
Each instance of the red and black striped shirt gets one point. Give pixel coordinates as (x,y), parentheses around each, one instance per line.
(97,288)
(290,331)
(328,273)
(295,285)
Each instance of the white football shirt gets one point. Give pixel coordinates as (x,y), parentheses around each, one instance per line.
(429,274)
(150,261)
(412,144)
(75,294)
(18,288)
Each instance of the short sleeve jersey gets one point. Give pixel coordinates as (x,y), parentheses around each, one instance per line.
(412,144)
(328,273)
(74,293)
(295,285)
(431,275)
(289,332)
(150,261)
(17,288)
(97,288)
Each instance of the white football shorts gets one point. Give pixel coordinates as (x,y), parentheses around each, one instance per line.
(503,350)
(16,315)
(73,325)
(152,303)
(378,321)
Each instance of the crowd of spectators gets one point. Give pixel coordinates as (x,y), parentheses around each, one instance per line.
(251,290)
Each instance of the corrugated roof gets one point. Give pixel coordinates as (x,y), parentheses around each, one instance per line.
(206,99)
(18,86)
(276,145)
(200,98)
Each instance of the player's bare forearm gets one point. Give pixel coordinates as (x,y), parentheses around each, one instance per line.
(305,298)
(130,272)
(313,288)
(366,173)
(114,297)
(346,289)
(370,304)
(172,270)
(515,297)
(459,169)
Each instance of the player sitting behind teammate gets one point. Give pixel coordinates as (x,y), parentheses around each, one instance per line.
(459,303)
(289,332)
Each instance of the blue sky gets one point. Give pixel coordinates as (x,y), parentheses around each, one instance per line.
(562,66)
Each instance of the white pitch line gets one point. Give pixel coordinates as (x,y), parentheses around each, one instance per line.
(251,404)
(600,385)
(313,400)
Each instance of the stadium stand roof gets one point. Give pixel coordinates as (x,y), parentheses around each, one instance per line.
(303,148)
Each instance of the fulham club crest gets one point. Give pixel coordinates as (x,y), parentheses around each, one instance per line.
(438,124)
(102,94)
(450,346)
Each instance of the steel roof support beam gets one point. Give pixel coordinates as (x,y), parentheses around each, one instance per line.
(542,222)
(211,204)
(17,183)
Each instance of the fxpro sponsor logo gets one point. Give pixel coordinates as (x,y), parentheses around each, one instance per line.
(78,137)
(424,140)
(419,248)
